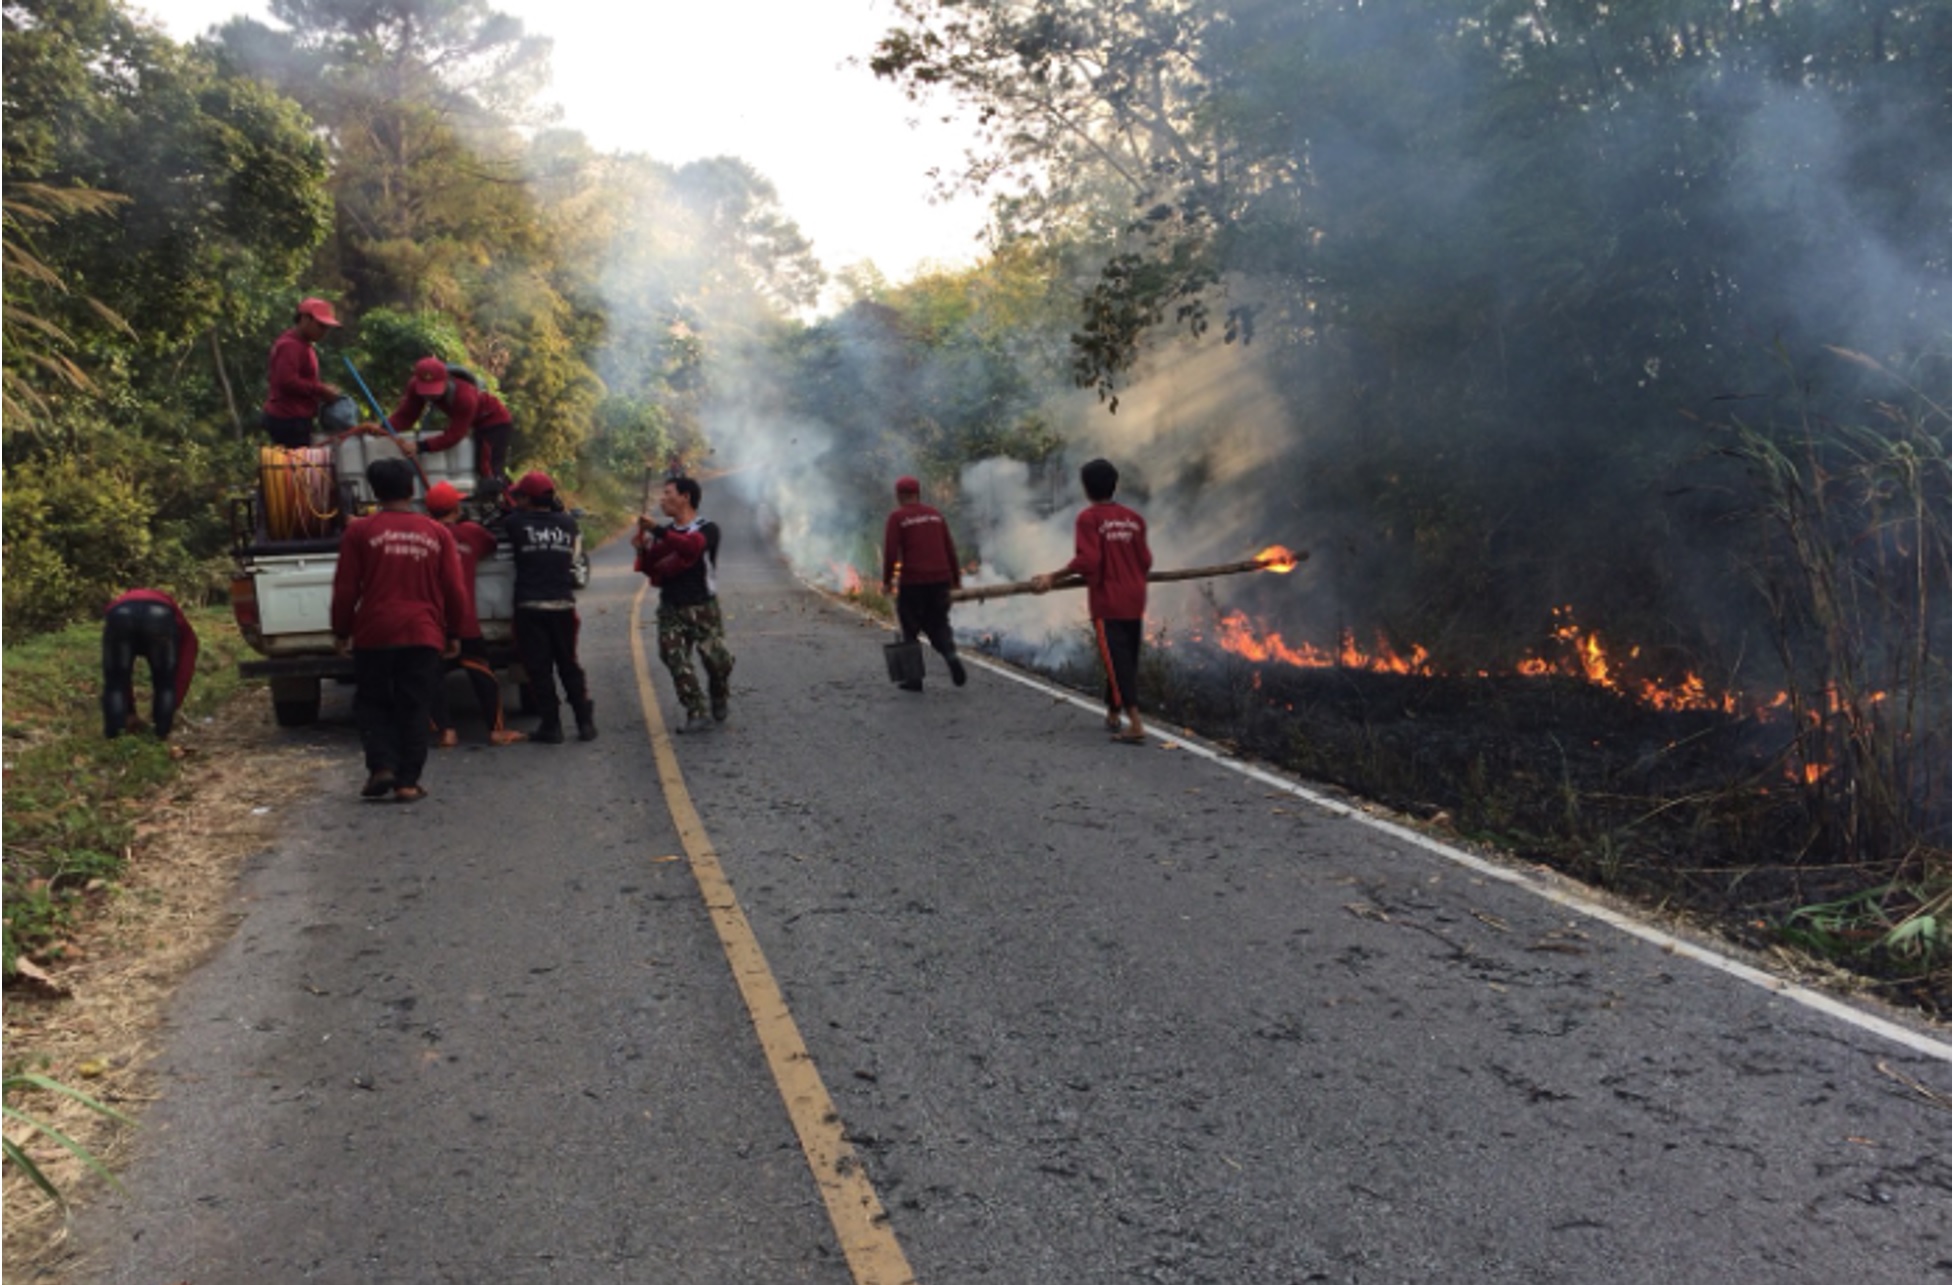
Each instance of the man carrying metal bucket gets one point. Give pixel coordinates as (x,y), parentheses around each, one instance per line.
(917,550)
(296,393)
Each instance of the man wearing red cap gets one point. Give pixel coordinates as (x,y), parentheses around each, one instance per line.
(469,408)
(546,541)
(295,390)
(916,547)
(475,543)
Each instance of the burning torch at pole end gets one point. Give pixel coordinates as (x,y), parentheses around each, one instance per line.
(1273,558)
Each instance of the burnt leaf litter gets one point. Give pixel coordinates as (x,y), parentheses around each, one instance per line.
(1692,812)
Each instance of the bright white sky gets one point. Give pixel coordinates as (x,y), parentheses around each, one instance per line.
(762,80)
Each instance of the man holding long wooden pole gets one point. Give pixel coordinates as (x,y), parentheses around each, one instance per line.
(1113,557)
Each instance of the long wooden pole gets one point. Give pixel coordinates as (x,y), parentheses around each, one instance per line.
(983,593)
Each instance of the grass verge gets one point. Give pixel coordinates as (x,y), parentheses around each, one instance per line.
(121,868)
(73,797)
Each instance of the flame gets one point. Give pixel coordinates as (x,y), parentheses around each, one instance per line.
(1587,657)
(846,577)
(1238,635)
(1575,653)
(1277,559)
(1584,656)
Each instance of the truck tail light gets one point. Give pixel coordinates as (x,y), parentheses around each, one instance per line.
(244,607)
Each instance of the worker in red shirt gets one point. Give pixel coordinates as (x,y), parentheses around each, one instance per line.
(476,544)
(295,391)
(149,624)
(398,608)
(917,547)
(469,408)
(1113,557)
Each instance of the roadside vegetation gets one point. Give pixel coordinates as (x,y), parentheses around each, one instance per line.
(76,808)
(73,797)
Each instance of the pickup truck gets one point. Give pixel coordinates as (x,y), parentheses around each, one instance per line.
(281,582)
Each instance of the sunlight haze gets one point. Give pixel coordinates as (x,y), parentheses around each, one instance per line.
(763,80)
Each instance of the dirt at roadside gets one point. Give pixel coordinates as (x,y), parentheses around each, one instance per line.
(240,776)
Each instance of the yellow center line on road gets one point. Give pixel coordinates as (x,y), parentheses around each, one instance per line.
(860,1223)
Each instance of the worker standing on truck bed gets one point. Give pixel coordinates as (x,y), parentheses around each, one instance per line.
(397,609)
(295,390)
(469,408)
(149,624)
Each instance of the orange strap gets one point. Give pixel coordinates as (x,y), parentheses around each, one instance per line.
(1105,655)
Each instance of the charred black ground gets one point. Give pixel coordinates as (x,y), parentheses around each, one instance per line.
(1696,812)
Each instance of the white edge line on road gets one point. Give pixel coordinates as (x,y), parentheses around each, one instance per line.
(1916,1041)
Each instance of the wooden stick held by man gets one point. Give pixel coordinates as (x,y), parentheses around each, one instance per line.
(1112,559)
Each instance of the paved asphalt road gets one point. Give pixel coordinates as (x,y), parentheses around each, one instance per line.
(1087,1013)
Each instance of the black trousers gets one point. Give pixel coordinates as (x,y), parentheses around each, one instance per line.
(481,677)
(288,432)
(148,630)
(924,609)
(491,450)
(1118,647)
(391,707)
(547,641)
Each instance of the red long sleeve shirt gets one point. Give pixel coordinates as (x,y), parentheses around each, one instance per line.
(466,406)
(1113,557)
(398,583)
(475,543)
(668,552)
(917,537)
(295,389)
(186,637)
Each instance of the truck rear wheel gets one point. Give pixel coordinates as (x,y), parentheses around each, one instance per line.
(295,701)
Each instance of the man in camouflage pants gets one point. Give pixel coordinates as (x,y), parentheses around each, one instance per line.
(681,559)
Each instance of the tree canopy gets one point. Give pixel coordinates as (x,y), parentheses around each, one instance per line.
(168,205)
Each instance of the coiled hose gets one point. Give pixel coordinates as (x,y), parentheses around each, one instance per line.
(299,487)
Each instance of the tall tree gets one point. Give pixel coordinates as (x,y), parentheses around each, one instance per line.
(417,99)
(156,204)
(1489,251)
(437,208)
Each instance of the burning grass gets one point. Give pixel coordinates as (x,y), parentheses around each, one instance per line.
(1683,802)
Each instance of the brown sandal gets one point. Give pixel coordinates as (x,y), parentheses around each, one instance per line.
(409,793)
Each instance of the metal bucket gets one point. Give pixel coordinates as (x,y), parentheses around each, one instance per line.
(340,415)
(904,661)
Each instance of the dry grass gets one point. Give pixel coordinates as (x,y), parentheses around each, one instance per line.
(175,906)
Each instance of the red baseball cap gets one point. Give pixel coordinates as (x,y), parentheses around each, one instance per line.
(318,310)
(533,483)
(430,377)
(907,486)
(442,497)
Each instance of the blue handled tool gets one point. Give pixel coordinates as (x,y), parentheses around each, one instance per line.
(371,400)
(385,423)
